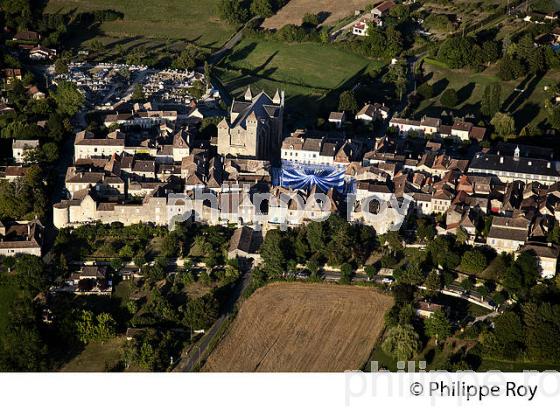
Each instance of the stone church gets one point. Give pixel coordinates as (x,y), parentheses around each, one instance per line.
(254,127)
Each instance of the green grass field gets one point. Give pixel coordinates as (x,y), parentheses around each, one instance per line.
(311,74)
(527,107)
(191,20)
(97,357)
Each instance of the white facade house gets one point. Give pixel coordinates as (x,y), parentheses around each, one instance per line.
(19,147)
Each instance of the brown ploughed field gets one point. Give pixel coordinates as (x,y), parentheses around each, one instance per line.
(299,327)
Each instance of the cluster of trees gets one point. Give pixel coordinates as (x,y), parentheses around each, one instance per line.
(88,327)
(438,22)
(406,333)
(191,57)
(131,243)
(24,198)
(153,350)
(114,240)
(522,58)
(448,254)
(461,52)
(240,11)
(528,332)
(23,345)
(384,42)
(56,110)
(333,241)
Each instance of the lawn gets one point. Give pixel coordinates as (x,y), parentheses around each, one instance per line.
(191,20)
(311,74)
(527,107)
(97,357)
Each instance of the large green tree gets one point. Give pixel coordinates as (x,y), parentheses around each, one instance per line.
(491,100)
(438,326)
(401,342)
(69,100)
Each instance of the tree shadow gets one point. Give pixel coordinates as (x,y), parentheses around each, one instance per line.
(242,53)
(465,92)
(526,114)
(517,98)
(439,86)
(323,15)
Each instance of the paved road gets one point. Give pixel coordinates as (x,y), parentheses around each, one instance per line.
(189,362)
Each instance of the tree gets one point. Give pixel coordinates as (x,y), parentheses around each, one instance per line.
(190,58)
(467,284)
(310,19)
(347,102)
(272,252)
(456,52)
(201,312)
(449,98)
(536,61)
(525,47)
(262,8)
(553,111)
(60,66)
(491,100)
(91,328)
(207,73)
(490,51)
(438,22)
(394,42)
(401,342)
(411,274)
(504,124)
(510,68)
(442,253)
(433,282)
(316,237)
(473,261)
(25,197)
(437,326)
(233,11)
(346,273)
(137,92)
(69,100)
(425,90)
(462,235)
(21,345)
(509,333)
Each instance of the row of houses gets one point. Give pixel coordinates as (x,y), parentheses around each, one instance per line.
(460,130)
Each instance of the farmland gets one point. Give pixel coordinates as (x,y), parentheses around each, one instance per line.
(302,327)
(300,69)
(190,20)
(331,10)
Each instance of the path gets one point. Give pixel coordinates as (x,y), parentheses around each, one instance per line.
(232,42)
